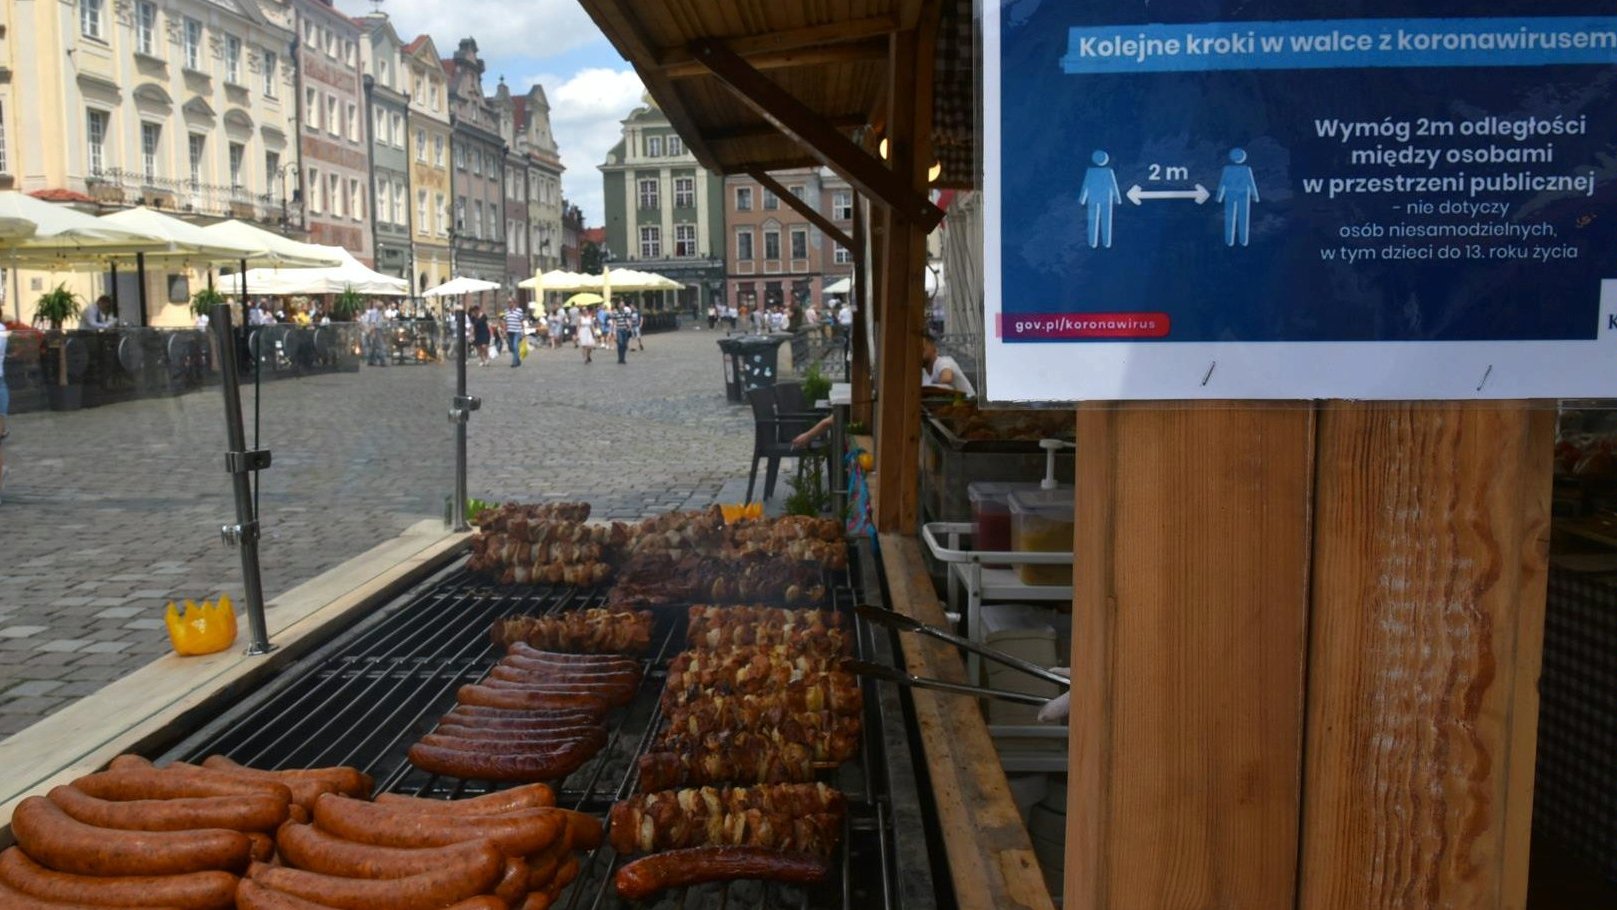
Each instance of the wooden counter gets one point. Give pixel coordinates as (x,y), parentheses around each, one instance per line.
(143,708)
(991,860)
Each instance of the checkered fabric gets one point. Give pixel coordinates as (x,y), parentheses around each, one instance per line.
(1575,799)
(954,99)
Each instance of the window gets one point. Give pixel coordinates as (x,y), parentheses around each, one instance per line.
(382,198)
(477,161)
(685,240)
(272,172)
(356,195)
(460,215)
(477,218)
(648,193)
(420,93)
(3,168)
(743,198)
(460,158)
(841,256)
(438,151)
(676,146)
(436,94)
(654,146)
(772,245)
(233,60)
(684,192)
(237,152)
(842,205)
(96,133)
(771,201)
(398,130)
(271,74)
(334,194)
(316,193)
(493,213)
(421,145)
(90,18)
(799,243)
(353,122)
(401,204)
(196,146)
(348,52)
(311,108)
(379,128)
(150,135)
(146,28)
(333,125)
(744,245)
(443,216)
(651,242)
(310,36)
(796,191)
(193,45)
(421,222)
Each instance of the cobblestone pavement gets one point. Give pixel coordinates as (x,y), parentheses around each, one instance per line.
(110,512)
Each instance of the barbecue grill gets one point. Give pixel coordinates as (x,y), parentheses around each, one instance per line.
(367,696)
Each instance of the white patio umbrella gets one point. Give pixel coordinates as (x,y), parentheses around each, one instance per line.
(560,280)
(840,286)
(183,240)
(635,280)
(61,235)
(351,275)
(459,285)
(273,249)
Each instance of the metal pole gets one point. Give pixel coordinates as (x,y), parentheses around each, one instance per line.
(460,411)
(242,464)
(140,271)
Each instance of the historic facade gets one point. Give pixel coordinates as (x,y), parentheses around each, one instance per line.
(428,126)
(478,152)
(381,55)
(664,211)
(545,206)
(336,149)
(775,255)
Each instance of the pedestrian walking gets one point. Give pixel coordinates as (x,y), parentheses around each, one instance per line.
(555,329)
(370,326)
(636,321)
(585,337)
(713,316)
(480,334)
(622,328)
(514,331)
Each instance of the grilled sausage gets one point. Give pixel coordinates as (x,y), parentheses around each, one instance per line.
(513,884)
(263,846)
(309,848)
(126,782)
(508,761)
(344,780)
(517,720)
(619,690)
(530,796)
(584,832)
(518,740)
(523,649)
(520,668)
(648,875)
(524,700)
(536,901)
(250,895)
(192,891)
(11,899)
(542,870)
(60,842)
(521,833)
(427,890)
(539,734)
(238,813)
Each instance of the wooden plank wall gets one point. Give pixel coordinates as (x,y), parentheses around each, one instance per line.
(1306,647)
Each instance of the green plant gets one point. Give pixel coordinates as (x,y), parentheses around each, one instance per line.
(347,305)
(203,301)
(816,385)
(809,495)
(57,306)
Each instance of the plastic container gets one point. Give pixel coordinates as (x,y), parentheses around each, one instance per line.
(991,514)
(1041,522)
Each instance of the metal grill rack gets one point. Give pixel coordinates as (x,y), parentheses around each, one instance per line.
(365,698)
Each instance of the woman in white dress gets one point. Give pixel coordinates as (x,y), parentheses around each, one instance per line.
(586,335)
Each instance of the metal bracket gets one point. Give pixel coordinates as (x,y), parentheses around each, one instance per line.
(462,406)
(247,462)
(236,535)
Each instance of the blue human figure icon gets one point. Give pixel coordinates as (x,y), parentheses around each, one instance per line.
(1100,194)
(1237,189)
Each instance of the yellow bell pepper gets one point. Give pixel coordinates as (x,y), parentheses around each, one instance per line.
(205,629)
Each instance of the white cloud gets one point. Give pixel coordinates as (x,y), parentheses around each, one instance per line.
(586,114)
(533,28)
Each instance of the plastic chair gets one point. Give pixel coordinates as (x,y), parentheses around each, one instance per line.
(767,441)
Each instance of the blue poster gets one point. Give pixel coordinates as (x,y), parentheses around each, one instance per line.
(1355,198)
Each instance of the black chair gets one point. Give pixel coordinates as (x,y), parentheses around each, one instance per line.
(767,440)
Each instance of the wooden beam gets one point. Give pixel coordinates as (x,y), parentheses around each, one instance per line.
(1188,632)
(859,336)
(787,58)
(821,139)
(898,423)
(1428,610)
(802,207)
(991,861)
(768,131)
(793,39)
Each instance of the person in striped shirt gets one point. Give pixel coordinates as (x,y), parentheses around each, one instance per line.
(622,326)
(514,331)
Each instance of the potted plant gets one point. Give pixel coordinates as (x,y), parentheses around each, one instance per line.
(347,305)
(203,302)
(66,390)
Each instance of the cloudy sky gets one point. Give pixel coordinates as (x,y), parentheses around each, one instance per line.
(551,42)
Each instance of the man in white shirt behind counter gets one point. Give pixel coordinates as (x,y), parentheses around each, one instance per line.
(939,372)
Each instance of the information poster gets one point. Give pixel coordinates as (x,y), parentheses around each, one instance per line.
(1380,199)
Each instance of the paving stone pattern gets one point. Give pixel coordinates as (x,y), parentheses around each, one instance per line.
(111,512)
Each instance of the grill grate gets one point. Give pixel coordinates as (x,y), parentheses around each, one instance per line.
(367,697)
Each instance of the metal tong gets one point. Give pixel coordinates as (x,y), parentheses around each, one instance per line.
(906,624)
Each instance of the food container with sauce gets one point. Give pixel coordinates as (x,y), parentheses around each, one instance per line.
(1041,522)
(991,514)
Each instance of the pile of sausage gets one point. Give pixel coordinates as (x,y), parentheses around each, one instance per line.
(139,836)
(511,850)
(783,832)
(660,580)
(537,716)
(589,631)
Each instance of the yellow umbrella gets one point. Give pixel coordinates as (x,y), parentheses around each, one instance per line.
(587,298)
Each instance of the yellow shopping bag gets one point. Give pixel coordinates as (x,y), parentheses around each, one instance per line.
(522,351)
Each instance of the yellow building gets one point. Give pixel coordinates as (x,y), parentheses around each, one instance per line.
(429,164)
(182,105)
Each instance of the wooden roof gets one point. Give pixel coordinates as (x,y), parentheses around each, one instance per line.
(830,55)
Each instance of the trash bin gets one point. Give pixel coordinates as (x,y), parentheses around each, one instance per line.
(730,352)
(759,357)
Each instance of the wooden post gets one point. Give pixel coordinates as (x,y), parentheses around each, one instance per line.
(859,334)
(898,423)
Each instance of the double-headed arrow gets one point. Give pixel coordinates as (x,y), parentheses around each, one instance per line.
(1138,195)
